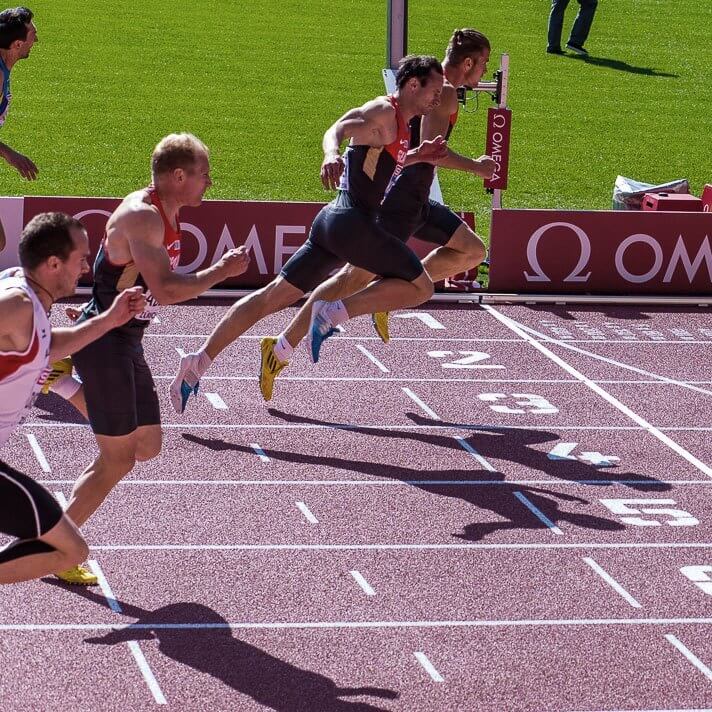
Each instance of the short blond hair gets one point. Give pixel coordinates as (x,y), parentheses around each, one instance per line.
(177,150)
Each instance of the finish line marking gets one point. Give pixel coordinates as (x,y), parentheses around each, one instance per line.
(612,582)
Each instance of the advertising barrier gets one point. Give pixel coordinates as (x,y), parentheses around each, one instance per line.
(601,252)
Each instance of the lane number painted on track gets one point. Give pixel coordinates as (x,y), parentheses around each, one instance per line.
(624,508)
(470,359)
(563,451)
(700,576)
(527,402)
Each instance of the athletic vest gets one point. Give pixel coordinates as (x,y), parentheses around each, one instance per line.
(110,279)
(22,373)
(370,172)
(6,95)
(420,175)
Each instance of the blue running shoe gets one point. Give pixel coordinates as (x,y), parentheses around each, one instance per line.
(320,329)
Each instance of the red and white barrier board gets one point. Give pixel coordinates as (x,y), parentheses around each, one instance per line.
(601,252)
(273,231)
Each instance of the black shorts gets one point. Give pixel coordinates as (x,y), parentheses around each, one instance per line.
(352,235)
(118,385)
(27,509)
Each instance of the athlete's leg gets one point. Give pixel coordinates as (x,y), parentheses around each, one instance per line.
(464,251)
(149,440)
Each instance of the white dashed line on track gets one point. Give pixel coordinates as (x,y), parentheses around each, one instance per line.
(147,673)
(59,496)
(468,448)
(305,511)
(181,353)
(425,408)
(690,656)
(259,452)
(538,513)
(612,582)
(422,658)
(372,358)
(38,453)
(104,586)
(361,581)
(216,401)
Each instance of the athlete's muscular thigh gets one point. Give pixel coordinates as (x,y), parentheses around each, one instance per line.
(149,440)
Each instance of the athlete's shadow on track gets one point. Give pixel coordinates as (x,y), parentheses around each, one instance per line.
(270,681)
(512,443)
(56,408)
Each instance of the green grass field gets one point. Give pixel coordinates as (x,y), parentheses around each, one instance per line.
(260,81)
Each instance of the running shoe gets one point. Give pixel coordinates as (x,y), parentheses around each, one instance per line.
(60,369)
(320,328)
(186,382)
(79,576)
(380,323)
(270,367)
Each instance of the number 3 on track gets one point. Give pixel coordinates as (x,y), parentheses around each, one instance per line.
(528,402)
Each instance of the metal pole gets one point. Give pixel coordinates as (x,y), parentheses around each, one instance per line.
(396,32)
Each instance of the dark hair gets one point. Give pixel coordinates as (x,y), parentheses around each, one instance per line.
(13,25)
(465,43)
(416,65)
(45,236)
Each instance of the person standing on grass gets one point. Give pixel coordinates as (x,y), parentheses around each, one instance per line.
(17,36)
(345,230)
(579,31)
(53,255)
(141,246)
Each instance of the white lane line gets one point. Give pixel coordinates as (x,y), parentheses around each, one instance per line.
(466,446)
(422,658)
(38,453)
(147,673)
(156,319)
(260,452)
(104,586)
(216,401)
(393,547)
(538,513)
(690,656)
(371,358)
(361,581)
(612,582)
(514,623)
(611,361)
(305,511)
(426,410)
(181,353)
(59,496)
(395,483)
(253,337)
(383,379)
(701,466)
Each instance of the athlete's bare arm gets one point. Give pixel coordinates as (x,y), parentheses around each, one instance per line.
(136,235)
(436,123)
(16,320)
(22,164)
(70,339)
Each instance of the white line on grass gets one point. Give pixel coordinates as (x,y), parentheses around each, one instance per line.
(422,658)
(690,656)
(538,513)
(259,452)
(305,511)
(147,673)
(612,582)
(361,581)
(302,625)
(216,401)
(466,446)
(701,466)
(372,358)
(425,408)
(104,586)
(38,453)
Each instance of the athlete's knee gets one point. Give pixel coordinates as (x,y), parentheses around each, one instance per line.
(424,287)
(469,244)
(277,295)
(150,443)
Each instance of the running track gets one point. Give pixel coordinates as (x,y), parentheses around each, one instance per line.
(506,508)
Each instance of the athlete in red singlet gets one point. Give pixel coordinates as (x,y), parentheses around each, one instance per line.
(141,247)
